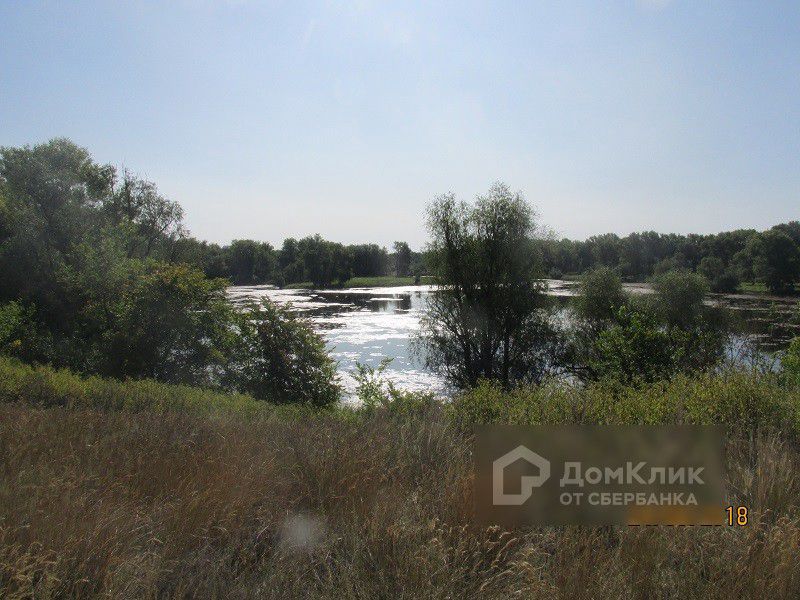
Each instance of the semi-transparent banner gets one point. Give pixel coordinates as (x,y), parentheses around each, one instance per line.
(635,475)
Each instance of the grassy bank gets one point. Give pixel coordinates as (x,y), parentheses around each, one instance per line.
(140,490)
(761,289)
(45,387)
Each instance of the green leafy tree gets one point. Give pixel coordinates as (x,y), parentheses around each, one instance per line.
(792,229)
(318,260)
(369,260)
(50,191)
(679,297)
(486,321)
(251,262)
(290,262)
(402,259)
(601,295)
(720,278)
(171,323)
(153,222)
(776,260)
(281,359)
(606,249)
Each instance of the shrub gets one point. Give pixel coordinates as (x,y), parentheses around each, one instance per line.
(374,392)
(171,323)
(639,348)
(719,278)
(278,357)
(601,295)
(740,401)
(679,297)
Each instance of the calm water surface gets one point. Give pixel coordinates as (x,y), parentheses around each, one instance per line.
(362,325)
(367,325)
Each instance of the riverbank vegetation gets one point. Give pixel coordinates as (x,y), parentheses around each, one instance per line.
(728,260)
(90,283)
(156,441)
(491,319)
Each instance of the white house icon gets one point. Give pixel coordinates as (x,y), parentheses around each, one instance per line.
(527,482)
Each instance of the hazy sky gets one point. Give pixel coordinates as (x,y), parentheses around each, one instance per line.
(269,119)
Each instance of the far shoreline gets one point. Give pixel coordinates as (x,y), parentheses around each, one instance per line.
(744,292)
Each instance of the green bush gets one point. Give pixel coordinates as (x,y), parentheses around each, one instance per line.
(21,335)
(741,402)
(601,295)
(679,297)
(170,323)
(375,393)
(278,357)
(640,348)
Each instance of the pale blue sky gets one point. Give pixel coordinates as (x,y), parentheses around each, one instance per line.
(269,119)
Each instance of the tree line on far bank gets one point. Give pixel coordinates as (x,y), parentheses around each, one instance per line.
(726,259)
(311,259)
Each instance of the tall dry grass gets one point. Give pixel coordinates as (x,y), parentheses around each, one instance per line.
(162,503)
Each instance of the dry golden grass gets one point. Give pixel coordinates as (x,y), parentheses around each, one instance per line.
(141,504)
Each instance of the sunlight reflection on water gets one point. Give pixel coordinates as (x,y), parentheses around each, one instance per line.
(362,325)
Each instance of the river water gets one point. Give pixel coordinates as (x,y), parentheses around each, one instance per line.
(367,325)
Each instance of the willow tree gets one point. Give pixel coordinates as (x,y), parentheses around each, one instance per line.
(486,320)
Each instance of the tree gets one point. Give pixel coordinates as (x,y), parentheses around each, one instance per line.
(485,321)
(679,297)
(279,358)
(792,229)
(606,249)
(776,260)
(402,259)
(601,295)
(150,218)
(53,230)
(170,324)
(720,278)
(290,262)
(250,262)
(342,263)
(369,260)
